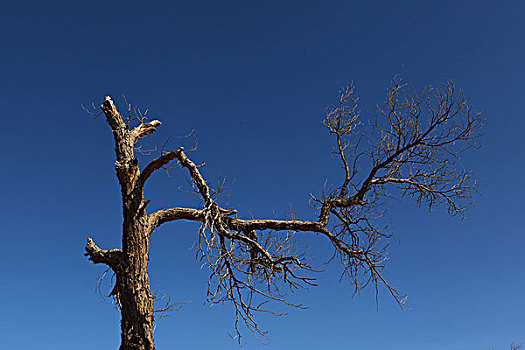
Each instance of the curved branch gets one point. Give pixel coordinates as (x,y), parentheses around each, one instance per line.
(172,214)
(157,164)
(185,162)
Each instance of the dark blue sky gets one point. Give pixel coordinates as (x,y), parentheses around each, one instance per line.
(253,79)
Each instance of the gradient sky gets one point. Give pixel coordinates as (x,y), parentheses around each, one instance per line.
(252,78)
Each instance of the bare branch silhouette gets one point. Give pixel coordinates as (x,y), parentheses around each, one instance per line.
(412,149)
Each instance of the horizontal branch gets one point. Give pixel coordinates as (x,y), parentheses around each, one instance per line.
(240,225)
(173,214)
(236,224)
(112,257)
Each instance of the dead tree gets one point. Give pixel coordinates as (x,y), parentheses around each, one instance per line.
(410,149)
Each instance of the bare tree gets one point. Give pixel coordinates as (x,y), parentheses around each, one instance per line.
(410,149)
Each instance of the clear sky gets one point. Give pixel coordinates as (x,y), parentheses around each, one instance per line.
(252,78)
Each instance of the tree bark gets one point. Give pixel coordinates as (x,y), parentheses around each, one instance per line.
(132,289)
(136,300)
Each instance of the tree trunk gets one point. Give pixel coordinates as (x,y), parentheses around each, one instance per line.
(136,300)
(130,264)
